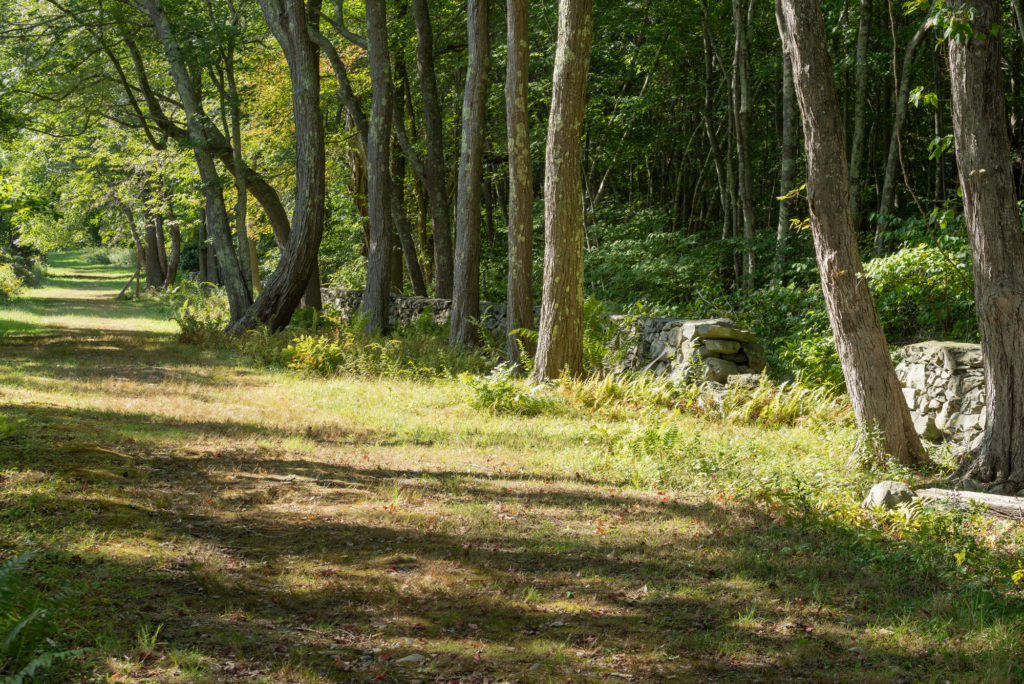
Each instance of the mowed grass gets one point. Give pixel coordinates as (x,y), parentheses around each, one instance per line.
(216,523)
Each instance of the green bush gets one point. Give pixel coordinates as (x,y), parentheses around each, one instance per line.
(419,351)
(26,650)
(501,392)
(921,292)
(109,256)
(201,312)
(10,283)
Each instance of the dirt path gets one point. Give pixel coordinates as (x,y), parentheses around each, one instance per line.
(218,523)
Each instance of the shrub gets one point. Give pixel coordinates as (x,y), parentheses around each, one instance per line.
(109,256)
(26,651)
(10,283)
(201,312)
(921,292)
(501,392)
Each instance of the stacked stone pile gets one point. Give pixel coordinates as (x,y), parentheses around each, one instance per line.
(712,349)
(944,385)
(406,310)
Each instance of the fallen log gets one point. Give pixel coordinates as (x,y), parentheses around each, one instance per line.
(1009,506)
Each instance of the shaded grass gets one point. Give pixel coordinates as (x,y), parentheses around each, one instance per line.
(282,528)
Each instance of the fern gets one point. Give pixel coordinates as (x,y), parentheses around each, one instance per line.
(24,623)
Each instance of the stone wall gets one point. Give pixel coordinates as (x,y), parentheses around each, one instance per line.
(714,349)
(944,385)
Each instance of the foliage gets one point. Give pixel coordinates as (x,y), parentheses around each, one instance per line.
(200,310)
(112,256)
(10,283)
(501,392)
(26,652)
(420,350)
(921,294)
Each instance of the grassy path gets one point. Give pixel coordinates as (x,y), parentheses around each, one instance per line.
(217,523)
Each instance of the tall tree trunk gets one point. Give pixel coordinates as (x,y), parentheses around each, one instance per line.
(154,274)
(161,251)
(741,104)
(787,166)
(885,204)
(376,297)
(402,228)
(174,257)
(466,286)
(870,379)
(560,342)
(290,24)
(434,163)
(859,105)
(241,189)
(997,245)
(520,180)
(239,299)
(204,271)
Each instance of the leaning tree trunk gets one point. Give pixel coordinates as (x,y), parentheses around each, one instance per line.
(466,286)
(289,23)
(239,299)
(560,342)
(520,180)
(870,379)
(434,165)
(377,295)
(997,245)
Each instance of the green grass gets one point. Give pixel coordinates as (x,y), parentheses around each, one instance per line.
(221,523)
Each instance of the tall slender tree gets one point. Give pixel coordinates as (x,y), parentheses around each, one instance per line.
(466,292)
(560,342)
(994,231)
(376,296)
(871,380)
(520,178)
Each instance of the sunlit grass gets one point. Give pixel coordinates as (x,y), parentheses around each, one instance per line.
(277,527)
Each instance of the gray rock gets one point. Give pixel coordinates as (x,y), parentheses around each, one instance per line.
(413,659)
(910,395)
(719,370)
(925,427)
(969,485)
(889,494)
(717,347)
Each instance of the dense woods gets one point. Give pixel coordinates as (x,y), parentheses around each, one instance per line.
(641,154)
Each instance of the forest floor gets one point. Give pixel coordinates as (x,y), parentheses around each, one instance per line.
(218,523)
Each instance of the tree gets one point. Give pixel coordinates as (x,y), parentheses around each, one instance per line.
(520,178)
(434,167)
(376,296)
(870,378)
(994,231)
(560,342)
(289,22)
(466,290)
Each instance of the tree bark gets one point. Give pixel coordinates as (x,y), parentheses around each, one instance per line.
(289,23)
(434,165)
(520,181)
(885,203)
(787,166)
(466,286)
(560,342)
(376,296)
(204,272)
(874,390)
(239,300)
(174,257)
(741,105)
(859,105)
(997,245)
(154,273)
